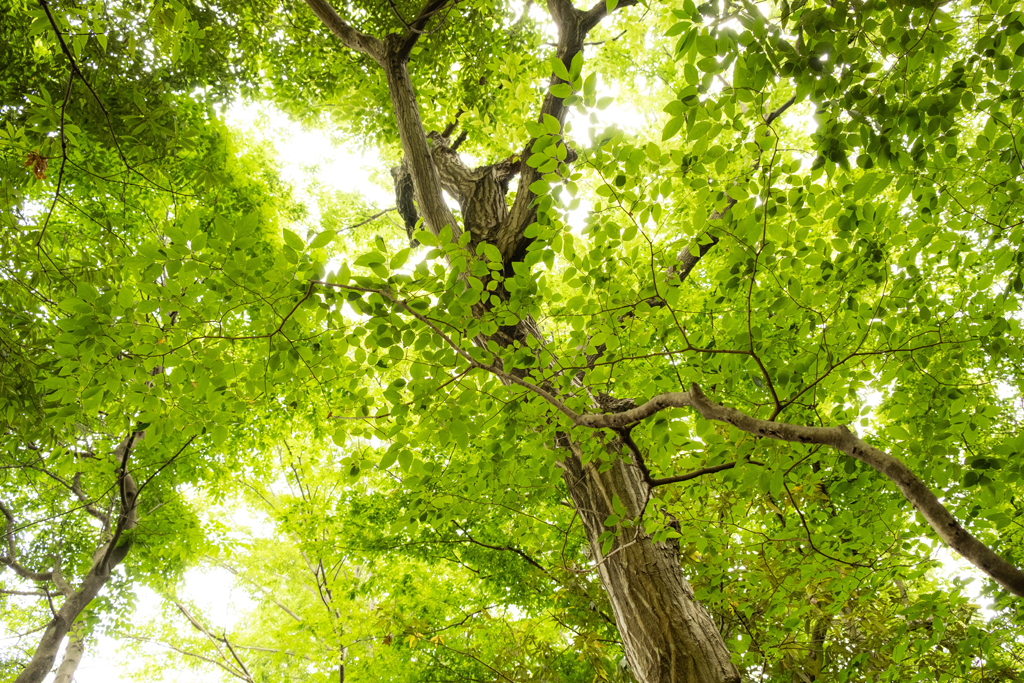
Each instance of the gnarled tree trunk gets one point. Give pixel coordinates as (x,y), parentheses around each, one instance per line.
(668,636)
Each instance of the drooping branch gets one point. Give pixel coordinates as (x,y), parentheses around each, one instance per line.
(189,653)
(653,482)
(87,502)
(842,439)
(510,548)
(263,589)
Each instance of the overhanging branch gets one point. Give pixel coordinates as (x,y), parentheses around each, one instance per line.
(840,438)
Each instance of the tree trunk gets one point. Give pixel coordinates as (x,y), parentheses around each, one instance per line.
(53,636)
(72,655)
(107,556)
(668,636)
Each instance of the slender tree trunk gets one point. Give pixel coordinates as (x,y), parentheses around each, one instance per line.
(72,655)
(668,636)
(107,556)
(53,636)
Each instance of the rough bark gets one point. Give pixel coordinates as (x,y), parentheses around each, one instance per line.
(667,635)
(351,38)
(426,183)
(480,192)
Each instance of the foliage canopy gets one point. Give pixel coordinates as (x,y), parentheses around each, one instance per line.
(733,287)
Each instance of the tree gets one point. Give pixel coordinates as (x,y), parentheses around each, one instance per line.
(683,375)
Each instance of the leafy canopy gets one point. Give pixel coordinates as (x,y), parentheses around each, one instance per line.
(817,219)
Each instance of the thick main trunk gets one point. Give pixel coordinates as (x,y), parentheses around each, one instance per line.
(668,636)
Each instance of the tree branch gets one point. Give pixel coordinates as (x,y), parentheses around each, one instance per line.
(415,149)
(188,653)
(840,438)
(599,11)
(510,548)
(266,591)
(88,503)
(11,559)
(415,29)
(244,673)
(351,38)
(689,258)
(573,26)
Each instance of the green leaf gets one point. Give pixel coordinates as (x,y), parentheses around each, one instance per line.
(576,67)
(219,435)
(672,127)
(323,239)
(558,67)
(399,259)
(561,90)
(369,259)
(388,459)
(425,238)
(293,240)
(653,152)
